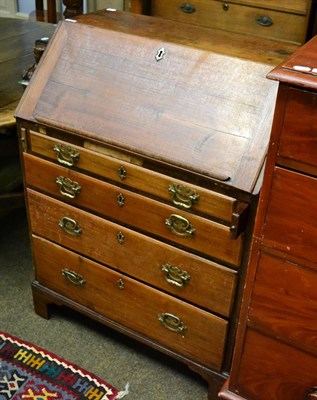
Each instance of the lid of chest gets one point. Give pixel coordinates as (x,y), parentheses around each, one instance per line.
(167,92)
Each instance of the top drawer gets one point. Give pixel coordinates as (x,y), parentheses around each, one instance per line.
(240,18)
(178,193)
(298,143)
(291,6)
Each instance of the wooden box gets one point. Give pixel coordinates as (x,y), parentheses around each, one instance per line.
(143,143)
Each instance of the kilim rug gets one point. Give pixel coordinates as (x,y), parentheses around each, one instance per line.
(29,372)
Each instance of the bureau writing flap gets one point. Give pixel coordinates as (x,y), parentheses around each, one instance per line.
(195,109)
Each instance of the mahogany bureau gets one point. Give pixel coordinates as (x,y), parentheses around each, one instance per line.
(143,143)
(276,350)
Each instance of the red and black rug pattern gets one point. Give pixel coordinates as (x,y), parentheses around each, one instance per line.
(29,372)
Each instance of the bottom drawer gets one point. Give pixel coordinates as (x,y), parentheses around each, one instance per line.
(271,370)
(183,328)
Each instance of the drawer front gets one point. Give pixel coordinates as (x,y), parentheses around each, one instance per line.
(299,133)
(291,6)
(180,273)
(183,328)
(272,370)
(284,302)
(235,18)
(180,227)
(288,226)
(175,192)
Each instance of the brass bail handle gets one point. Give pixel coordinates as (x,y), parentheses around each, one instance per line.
(188,8)
(68,187)
(66,155)
(73,277)
(183,196)
(175,276)
(70,226)
(180,226)
(172,322)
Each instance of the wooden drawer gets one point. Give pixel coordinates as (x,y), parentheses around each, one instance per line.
(180,273)
(185,229)
(290,6)
(298,142)
(235,17)
(288,226)
(132,304)
(272,370)
(284,302)
(127,173)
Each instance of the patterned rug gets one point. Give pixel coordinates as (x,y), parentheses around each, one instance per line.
(29,372)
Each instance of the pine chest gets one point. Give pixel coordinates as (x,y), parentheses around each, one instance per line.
(143,143)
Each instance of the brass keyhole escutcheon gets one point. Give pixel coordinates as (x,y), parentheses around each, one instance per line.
(122,172)
(120,237)
(120,284)
(120,200)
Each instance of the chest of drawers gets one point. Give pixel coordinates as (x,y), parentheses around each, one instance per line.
(276,354)
(282,20)
(143,144)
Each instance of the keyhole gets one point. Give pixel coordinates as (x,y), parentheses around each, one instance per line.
(160,54)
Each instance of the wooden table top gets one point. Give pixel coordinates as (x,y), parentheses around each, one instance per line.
(16,54)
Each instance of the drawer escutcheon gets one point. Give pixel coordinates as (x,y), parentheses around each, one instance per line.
(172,322)
(67,187)
(175,276)
(180,226)
(66,155)
(70,226)
(73,277)
(183,196)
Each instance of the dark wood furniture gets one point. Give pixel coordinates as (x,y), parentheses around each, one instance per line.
(143,143)
(16,54)
(72,9)
(275,356)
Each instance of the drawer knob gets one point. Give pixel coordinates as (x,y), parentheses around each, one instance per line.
(225,6)
(188,8)
(67,187)
(264,20)
(180,226)
(175,276)
(172,322)
(312,393)
(73,277)
(70,226)
(183,196)
(66,155)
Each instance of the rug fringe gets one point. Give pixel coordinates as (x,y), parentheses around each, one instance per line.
(124,392)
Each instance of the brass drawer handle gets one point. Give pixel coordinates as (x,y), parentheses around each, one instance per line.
(180,226)
(188,8)
(312,393)
(183,196)
(73,277)
(172,322)
(66,155)
(175,276)
(67,187)
(70,226)
(264,20)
